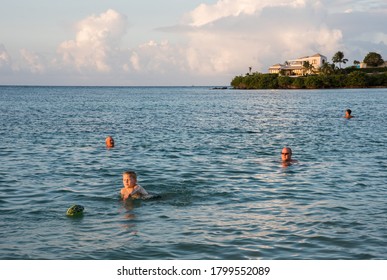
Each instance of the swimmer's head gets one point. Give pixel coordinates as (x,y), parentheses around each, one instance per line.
(286,154)
(129,179)
(348,114)
(109,142)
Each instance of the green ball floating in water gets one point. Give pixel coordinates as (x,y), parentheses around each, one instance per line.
(75,211)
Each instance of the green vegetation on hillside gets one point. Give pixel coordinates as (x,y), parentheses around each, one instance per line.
(329,76)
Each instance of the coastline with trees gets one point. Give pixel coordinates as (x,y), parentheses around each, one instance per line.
(329,75)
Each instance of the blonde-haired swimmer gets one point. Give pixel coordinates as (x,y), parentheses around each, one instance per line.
(131,188)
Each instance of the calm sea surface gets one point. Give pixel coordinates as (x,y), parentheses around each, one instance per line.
(212,155)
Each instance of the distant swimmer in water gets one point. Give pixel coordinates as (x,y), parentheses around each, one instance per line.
(286,156)
(348,114)
(109,142)
(131,188)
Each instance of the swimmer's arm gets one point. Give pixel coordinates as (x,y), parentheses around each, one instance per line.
(135,190)
(124,195)
(138,190)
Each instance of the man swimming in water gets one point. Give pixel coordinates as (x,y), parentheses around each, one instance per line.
(286,156)
(109,141)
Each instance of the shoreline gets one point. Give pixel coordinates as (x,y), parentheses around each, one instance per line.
(374,87)
(355,79)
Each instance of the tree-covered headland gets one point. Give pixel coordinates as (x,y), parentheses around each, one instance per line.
(329,75)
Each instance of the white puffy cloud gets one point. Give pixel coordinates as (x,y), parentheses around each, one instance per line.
(227,37)
(230,36)
(222,39)
(96,42)
(214,42)
(205,14)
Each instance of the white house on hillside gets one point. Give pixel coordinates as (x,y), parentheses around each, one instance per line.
(295,67)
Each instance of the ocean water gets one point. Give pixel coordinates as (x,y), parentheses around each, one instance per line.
(214,158)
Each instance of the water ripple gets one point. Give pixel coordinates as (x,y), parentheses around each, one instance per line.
(214,159)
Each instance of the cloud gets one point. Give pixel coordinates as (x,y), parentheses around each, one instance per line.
(212,44)
(96,42)
(363,32)
(32,61)
(348,6)
(205,14)
(154,57)
(226,38)
(5,58)
(231,36)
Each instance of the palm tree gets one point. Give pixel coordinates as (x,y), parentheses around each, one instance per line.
(339,58)
(327,68)
(307,67)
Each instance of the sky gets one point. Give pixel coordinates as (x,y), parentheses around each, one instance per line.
(177,42)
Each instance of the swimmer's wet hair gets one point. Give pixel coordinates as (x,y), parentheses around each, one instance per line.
(290,150)
(130,173)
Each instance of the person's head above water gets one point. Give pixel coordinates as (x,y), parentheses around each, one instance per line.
(286,154)
(131,188)
(348,113)
(109,142)
(129,179)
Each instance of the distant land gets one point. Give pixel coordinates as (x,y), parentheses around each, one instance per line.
(350,78)
(315,72)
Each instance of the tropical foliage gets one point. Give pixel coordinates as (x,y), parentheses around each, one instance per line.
(355,79)
(329,76)
(373,59)
(339,58)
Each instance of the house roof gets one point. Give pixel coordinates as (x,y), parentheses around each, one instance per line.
(318,55)
(315,55)
(276,66)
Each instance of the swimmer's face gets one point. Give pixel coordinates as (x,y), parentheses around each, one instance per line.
(109,142)
(286,154)
(129,181)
